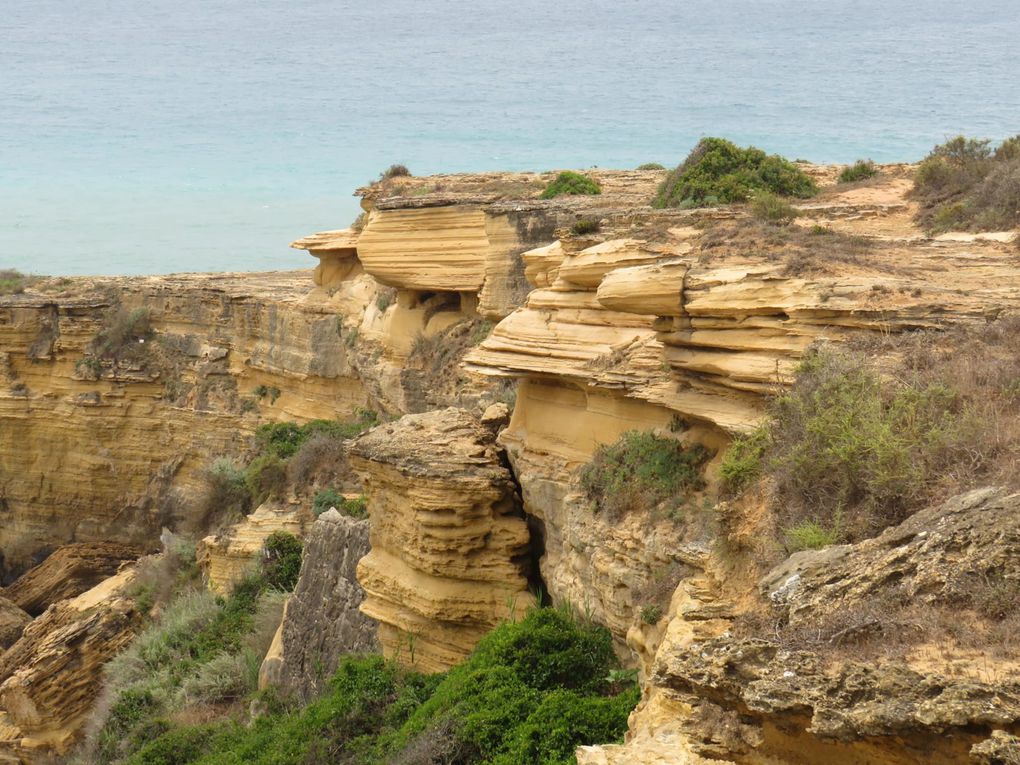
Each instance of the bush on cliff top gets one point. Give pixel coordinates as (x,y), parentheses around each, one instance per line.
(964,185)
(571,183)
(718,171)
(860,170)
(531,692)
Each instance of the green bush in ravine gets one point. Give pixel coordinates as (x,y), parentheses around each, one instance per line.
(529,694)
(283,439)
(719,171)
(571,183)
(640,471)
(281,560)
(964,185)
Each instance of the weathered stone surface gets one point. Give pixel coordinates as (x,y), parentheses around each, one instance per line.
(51,676)
(12,622)
(449,545)
(323,622)
(69,571)
(927,559)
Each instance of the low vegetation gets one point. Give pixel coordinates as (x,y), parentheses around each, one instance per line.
(394,171)
(14,282)
(860,170)
(356,507)
(851,449)
(530,692)
(585,226)
(717,171)
(571,183)
(198,659)
(641,471)
(965,185)
(651,166)
(122,331)
(769,208)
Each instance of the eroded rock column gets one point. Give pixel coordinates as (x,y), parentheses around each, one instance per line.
(449,544)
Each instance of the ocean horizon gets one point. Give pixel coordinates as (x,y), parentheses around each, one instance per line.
(186,136)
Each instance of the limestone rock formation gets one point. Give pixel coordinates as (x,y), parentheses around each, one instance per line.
(449,546)
(227,556)
(51,676)
(69,571)
(12,622)
(323,622)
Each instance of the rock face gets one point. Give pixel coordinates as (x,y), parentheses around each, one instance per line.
(823,684)
(12,623)
(449,546)
(323,621)
(50,678)
(68,572)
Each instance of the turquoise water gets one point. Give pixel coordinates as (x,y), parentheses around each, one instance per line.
(174,135)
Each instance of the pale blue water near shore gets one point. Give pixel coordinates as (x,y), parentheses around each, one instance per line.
(173,135)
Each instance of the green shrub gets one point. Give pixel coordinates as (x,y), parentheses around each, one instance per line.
(281,562)
(283,439)
(742,462)
(641,470)
(858,171)
(571,183)
(265,478)
(530,692)
(963,184)
(261,391)
(811,535)
(651,166)
(650,614)
(326,499)
(227,491)
(585,226)
(355,508)
(719,171)
(769,208)
(14,282)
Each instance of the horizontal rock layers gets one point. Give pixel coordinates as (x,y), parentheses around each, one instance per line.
(449,547)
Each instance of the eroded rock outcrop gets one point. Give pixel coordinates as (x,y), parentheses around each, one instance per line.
(323,621)
(12,622)
(50,678)
(449,546)
(69,571)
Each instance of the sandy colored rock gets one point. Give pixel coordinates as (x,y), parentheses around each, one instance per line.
(323,622)
(67,572)
(448,559)
(50,678)
(12,623)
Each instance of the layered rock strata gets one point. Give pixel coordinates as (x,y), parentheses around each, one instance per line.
(50,677)
(449,546)
(323,621)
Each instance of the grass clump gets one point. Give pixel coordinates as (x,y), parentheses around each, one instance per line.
(531,692)
(14,282)
(651,166)
(811,535)
(571,183)
(769,208)
(585,226)
(394,171)
(226,489)
(860,170)
(718,171)
(964,184)
(641,470)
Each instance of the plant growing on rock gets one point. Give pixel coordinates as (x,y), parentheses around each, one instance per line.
(769,208)
(718,170)
(651,166)
(394,171)
(571,184)
(640,471)
(585,226)
(281,560)
(122,329)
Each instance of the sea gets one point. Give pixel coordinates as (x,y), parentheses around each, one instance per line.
(205,135)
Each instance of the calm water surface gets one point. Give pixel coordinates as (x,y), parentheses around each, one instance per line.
(177,135)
